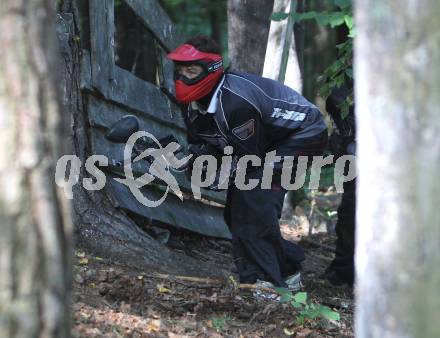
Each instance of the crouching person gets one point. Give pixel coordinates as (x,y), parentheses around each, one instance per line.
(254,116)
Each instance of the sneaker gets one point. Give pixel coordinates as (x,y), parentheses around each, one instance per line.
(294,282)
(265,294)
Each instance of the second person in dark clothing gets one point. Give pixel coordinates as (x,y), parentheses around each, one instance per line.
(343,142)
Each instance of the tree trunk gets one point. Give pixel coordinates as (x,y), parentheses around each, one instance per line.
(248,29)
(398,240)
(34,217)
(319,49)
(281,61)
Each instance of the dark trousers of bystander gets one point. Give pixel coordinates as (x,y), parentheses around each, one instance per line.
(341,269)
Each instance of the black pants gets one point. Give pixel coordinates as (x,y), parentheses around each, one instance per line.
(259,250)
(252,216)
(343,264)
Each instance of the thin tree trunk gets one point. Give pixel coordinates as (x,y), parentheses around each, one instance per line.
(319,49)
(248,29)
(281,61)
(398,98)
(299,33)
(34,217)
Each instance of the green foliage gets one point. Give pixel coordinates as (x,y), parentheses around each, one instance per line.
(326,179)
(220,323)
(343,3)
(340,71)
(193,17)
(333,18)
(307,310)
(279,16)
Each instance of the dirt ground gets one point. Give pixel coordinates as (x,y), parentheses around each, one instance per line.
(111,300)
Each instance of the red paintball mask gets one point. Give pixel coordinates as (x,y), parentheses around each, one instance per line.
(188,90)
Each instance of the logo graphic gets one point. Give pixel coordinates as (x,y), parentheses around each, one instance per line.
(288,114)
(160,160)
(245,131)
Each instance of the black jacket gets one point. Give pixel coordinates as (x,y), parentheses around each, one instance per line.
(255,115)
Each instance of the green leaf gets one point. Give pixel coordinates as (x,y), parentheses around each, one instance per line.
(345,46)
(343,3)
(219,323)
(286,294)
(296,305)
(348,21)
(306,15)
(322,19)
(352,32)
(336,67)
(279,16)
(329,314)
(286,298)
(345,109)
(300,320)
(296,17)
(311,313)
(336,19)
(339,80)
(349,72)
(300,297)
(324,91)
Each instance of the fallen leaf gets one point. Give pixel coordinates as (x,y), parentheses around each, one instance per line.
(79,279)
(163,289)
(153,326)
(83,261)
(125,308)
(80,254)
(288,333)
(94,332)
(303,333)
(233,281)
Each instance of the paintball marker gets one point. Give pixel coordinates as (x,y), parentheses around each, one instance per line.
(121,131)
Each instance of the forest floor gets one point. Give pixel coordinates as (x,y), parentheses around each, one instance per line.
(111,300)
